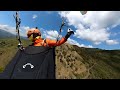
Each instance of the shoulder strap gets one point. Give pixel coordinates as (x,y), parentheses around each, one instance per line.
(44,41)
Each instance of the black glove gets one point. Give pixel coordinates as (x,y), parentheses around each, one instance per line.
(69,33)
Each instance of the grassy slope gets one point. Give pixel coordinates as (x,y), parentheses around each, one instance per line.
(72,61)
(102,63)
(8,48)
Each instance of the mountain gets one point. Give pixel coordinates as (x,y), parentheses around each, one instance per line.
(72,62)
(5,34)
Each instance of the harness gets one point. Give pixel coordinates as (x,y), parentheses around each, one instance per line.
(44,41)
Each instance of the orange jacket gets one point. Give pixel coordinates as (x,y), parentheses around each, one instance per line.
(48,42)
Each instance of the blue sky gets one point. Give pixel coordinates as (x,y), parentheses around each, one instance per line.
(95,29)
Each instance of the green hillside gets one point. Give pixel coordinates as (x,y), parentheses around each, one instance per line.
(87,63)
(8,48)
(72,62)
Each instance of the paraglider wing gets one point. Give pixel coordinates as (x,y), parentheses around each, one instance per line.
(83,12)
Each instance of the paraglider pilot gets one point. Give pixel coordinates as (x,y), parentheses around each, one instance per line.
(35,36)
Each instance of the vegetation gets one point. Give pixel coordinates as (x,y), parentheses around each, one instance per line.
(72,62)
(8,48)
(89,63)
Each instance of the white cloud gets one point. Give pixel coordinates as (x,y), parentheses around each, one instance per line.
(94,26)
(34,16)
(23,29)
(97,43)
(51,34)
(112,42)
(96,37)
(8,28)
(73,42)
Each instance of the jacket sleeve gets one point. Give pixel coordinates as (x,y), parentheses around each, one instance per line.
(55,43)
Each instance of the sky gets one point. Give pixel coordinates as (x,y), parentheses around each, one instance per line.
(95,29)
